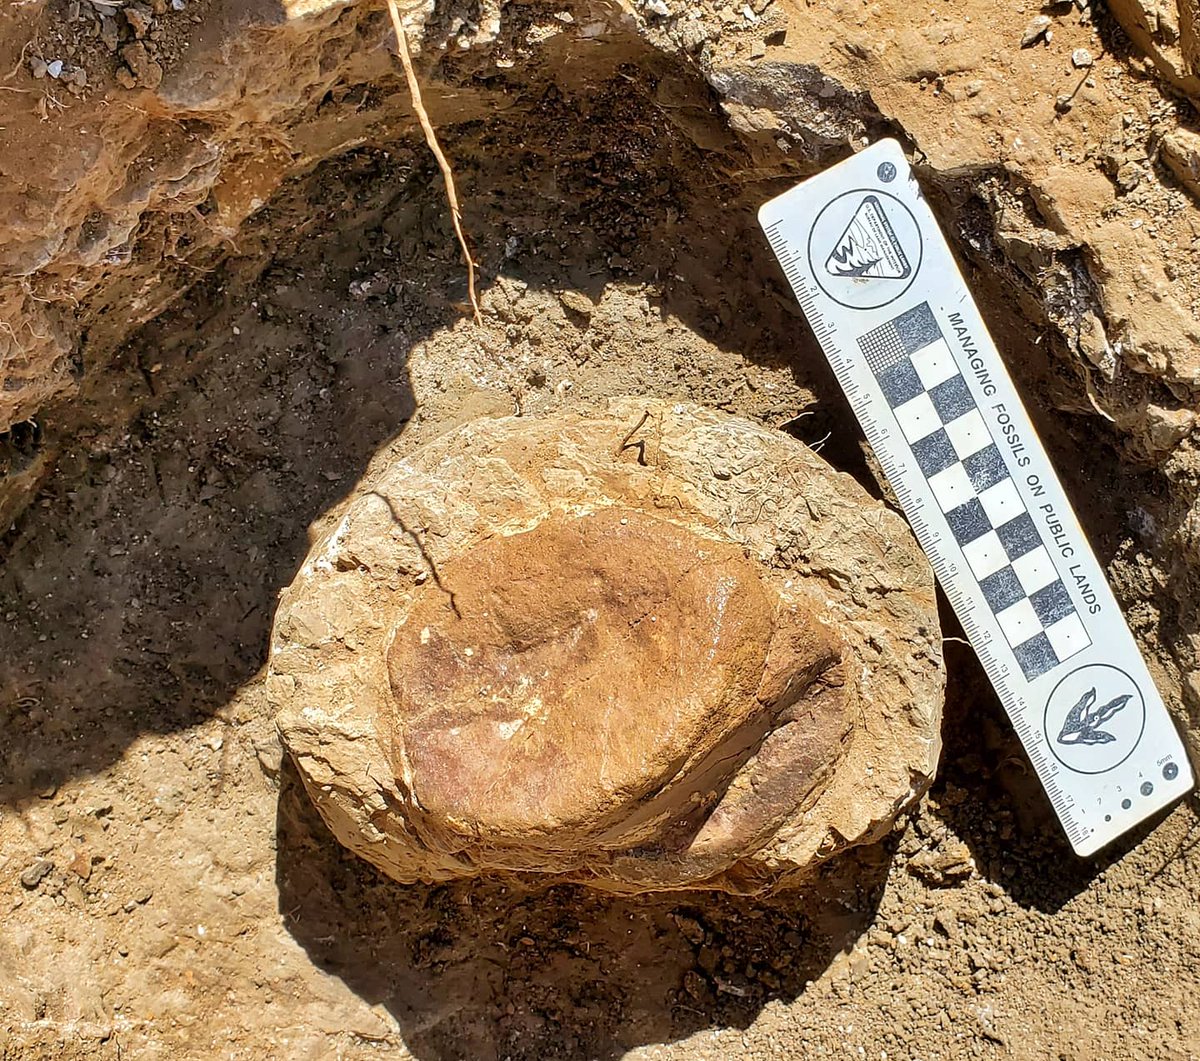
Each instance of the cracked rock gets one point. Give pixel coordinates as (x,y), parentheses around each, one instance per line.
(642,647)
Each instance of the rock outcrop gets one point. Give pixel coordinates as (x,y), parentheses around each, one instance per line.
(645,647)
(1168,31)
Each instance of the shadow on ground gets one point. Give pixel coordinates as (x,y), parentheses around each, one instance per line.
(489,970)
(989,796)
(137,591)
(139,588)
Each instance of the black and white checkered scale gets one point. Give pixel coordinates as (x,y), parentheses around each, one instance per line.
(964,467)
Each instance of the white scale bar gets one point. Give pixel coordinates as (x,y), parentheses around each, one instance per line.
(885,299)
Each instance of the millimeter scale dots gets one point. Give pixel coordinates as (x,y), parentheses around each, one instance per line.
(885,299)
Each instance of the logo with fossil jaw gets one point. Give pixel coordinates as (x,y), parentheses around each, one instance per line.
(865,248)
(1094,718)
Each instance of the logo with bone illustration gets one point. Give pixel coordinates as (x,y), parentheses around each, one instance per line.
(1094,718)
(1083,721)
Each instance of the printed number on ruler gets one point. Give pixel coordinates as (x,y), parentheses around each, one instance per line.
(882,293)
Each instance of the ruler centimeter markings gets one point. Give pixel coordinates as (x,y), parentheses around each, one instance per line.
(884,297)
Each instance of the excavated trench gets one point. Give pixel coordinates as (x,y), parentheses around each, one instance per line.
(611,209)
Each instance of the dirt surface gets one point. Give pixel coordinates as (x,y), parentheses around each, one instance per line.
(165,888)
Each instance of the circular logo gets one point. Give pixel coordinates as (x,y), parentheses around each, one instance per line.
(886,172)
(1095,718)
(865,249)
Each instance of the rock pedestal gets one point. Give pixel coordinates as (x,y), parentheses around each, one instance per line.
(642,647)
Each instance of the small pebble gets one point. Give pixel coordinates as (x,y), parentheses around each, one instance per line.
(577,301)
(1081,59)
(55,68)
(140,19)
(81,865)
(270,756)
(946,923)
(1129,176)
(658,7)
(1035,31)
(32,877)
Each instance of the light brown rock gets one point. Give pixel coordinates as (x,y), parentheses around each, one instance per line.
(146,71)
(704,659)
(1168,31)
(1181,152)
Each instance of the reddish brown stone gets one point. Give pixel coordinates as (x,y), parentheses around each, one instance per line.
(593,680)
(524,648)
